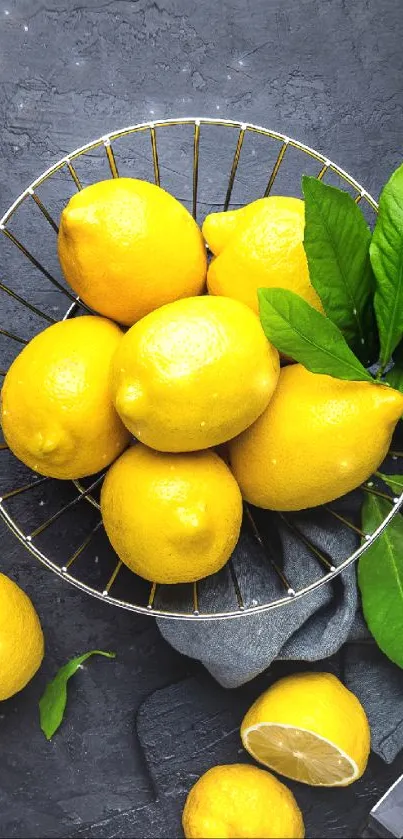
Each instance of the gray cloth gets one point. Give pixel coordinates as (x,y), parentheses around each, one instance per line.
(309,628)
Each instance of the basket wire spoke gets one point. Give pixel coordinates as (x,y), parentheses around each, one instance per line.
(40,267)
(73,173)
(266,549)
(196,146)
(234,166)
(43,210)
(70,567)
(41,527)
(324,559)
(276,168)
(82,547)
(25,303)
(17,338)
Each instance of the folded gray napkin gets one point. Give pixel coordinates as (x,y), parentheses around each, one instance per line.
(310,628)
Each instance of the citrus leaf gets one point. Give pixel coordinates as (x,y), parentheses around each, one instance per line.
(380,578)
(395,482)
(336,242)
(53,702)
(386,252)
(298,330)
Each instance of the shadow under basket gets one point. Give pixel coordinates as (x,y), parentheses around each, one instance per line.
(210,165)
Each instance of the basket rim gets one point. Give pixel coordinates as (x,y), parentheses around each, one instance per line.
(106,141)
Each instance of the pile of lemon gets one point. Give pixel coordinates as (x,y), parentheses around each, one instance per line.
(192,371)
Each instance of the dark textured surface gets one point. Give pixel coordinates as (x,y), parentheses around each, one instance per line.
(325,71)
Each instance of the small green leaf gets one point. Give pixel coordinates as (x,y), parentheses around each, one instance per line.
(53,702)
(336,242)
(301,332)
(380,578)
(395,482)
(386,252)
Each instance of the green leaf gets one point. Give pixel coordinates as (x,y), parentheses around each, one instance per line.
(53,702)
(380,578)
(395,482)
(301,332)
(386,252)
(336,242)
(395,378)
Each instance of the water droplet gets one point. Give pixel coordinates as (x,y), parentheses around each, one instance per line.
(240,63)
(6,12)
(354,311)
(228,77)
(363,340)
(25,28)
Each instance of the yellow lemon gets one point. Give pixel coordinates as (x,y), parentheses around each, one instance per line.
(310,728)
(259,246)
(127,247)
(56,404)
(172,518)
(241,802)
(21,639)
(318,439)
(193,374)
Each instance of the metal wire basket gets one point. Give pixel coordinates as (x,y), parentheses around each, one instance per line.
(209,164)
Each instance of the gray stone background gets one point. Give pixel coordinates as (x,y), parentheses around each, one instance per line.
(328,72)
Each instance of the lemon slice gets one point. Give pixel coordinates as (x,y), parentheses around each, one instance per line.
(310,728)
(301,755)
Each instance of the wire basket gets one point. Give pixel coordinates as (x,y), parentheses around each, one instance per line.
(209,164)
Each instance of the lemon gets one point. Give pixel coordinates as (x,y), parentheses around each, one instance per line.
(318,439)
(56,405)
(259,246)
(21,639)
(236,801)
(193,374)
(310,728)
(171,518)
(127,247)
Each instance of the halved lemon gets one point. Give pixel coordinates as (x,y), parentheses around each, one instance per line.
(311,728)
